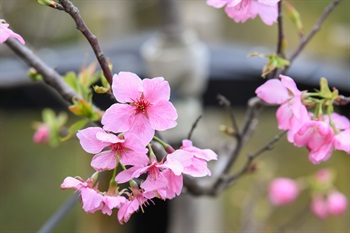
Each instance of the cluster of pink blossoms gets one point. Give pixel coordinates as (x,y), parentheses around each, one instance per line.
(128,129)
(242,10)
(6,33)
(326,201)
(319,134)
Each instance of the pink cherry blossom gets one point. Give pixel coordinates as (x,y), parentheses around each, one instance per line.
(198,166)
(318,137)
(111,202)
(319,207)
(342,136)
(144,106)
(128,149)
(6,33)
(337,203)
(42,134)
(333,204)
(157,180)
(291,114)
(242,10)
(137,199)
(283,191)
(91,199)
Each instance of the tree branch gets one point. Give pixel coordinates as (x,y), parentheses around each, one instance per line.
(230,180)
(50,76)
(73,11)
(193,127)
(280,37)
(305,40)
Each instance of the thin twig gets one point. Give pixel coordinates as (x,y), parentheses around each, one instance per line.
(224,101)
(305,40)
(193,127)
(50,76)
(280,37)
(255,106)
(73,11)
(251,157)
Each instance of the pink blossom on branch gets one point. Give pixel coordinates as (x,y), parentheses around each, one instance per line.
(6,33)
(283,191)
(291,114)
(242,10)
(144,106)
(128,148)
(42,134)
(333,204)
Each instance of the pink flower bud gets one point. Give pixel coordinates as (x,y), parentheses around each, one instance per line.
(42,134)
(319,207)
(283,191)
(324,176)
(337,203)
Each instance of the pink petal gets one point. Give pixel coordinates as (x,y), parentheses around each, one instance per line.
(5,33)
(118,118)
(108,137)
(142,128)
(127,87)
(103,161)
(156,89)
(173,165)
(240,13)
(90,142)
(342,141)
(273,92)
(267,13)
(134,152)
(199,168)
(162,116)
(126,175)
(341,122)
(322,154)
(71,183)
(289,83)
(92,201)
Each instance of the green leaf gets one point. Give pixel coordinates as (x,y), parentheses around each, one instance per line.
(100,90)
(295,17)
(71,79)
(274,62)
(74,128)
(47,3)
(325,91)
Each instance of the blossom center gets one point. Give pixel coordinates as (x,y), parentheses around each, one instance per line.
(116,147)
(140,105)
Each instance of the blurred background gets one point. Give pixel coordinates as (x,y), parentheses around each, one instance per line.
(131,33)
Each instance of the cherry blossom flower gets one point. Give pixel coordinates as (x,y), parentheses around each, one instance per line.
(198,166)
(128,149)
(318,137)
(137,199)
(342,134)
(333,204)
(144,108)
(6,33)
(110,202)
(42,134)
(291,114)
(91,199)
(157,179)
(242,10)
(283,191)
